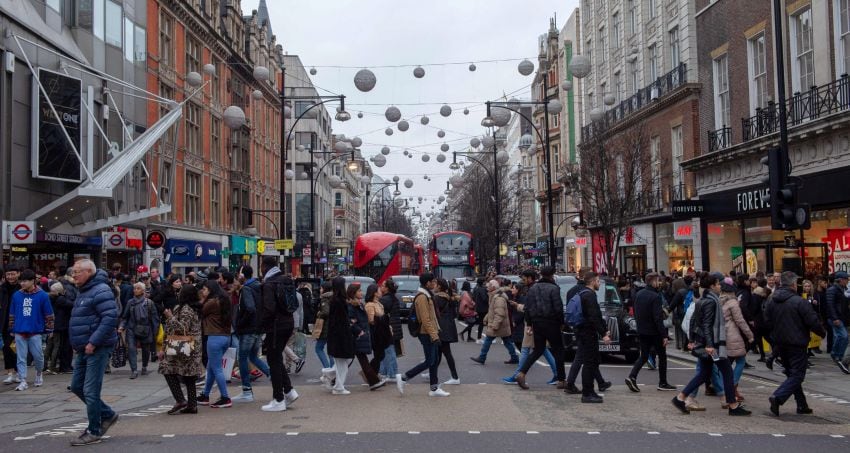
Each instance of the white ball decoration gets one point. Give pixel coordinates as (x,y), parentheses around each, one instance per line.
(303,175)
(441,133)
(596,114)
(408,183)
(365,179)
(466,111)
(313,71)
(580,66)
(261,73)
(335,181)
(388,131)
(356,142)
(289,174)
(234,117)
(475,142)
(441,158)
(419,72)
(426,157)
(379,160)
(300,148)
(567,85)
(339,146)
(392,114)
(403,125)
(472,67)
(406,152)
(525,67)
(396,178)
(445,110)
(444,147)
(359,114)
(609,99)
(502,157)
(424,120)
(501,116)
(209,69)
(287,111)
(365,80)
(488,141)
(194,79)
(555,106)
(425,177)
(385,150)
(456,181)
(257,95)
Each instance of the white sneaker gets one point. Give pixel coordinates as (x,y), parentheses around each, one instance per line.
(247,396)
(425,375)
(22,386)
(290,397)
(326,382)
(10,378)
(389,379)
(329,373)
(340,392)
(399,383)
(479,341)
(438,392)
(275,406)
(39,379)
(452,382)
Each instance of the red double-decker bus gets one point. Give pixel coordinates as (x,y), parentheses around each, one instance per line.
(420,259)
(381,255)
(452,255)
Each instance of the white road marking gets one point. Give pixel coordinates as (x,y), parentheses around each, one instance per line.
(351,433)
(654,433)
(779,435)
(25,438)
(230,434)
(413,432)
(482,383)
(168,436)
(291,434)
(837,436)
(532,432)
(715,434)
(593,432)
(474,432)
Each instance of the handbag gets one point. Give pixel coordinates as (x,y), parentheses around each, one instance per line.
(119,354)
(228,361)
(317,328)
(179,345)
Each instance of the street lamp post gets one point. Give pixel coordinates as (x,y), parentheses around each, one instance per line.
(368,194)
(314,178)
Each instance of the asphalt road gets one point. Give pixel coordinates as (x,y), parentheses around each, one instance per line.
(482,413)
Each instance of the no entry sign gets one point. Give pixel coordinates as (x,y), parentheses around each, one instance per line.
(18,232)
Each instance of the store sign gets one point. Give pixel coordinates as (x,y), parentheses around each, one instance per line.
(155,239)
(753,200)
(53,155)
(683,230)
(687,209)
(18,232)
(839,249)
(68,238)
(600,251)
(179,250)
(243,245)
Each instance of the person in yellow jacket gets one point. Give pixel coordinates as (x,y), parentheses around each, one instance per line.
(428,332)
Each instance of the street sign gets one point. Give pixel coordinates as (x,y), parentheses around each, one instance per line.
(115,240)
(261,246)
(284,244)
(503,249)
(18,232)
(155,239)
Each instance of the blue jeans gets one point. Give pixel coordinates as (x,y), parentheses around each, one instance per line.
(148,349)
(320,353)
(716,380)
(389,366)
(31,345)
(507,341)
(550,359)
(839,341)
(431,351)
(703,374)
(87,382)
(738,370)
(249,349)
(216,347)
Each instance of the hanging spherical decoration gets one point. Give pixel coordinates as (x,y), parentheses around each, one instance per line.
(289,174)
(335,181)
(403,125)
(475,142)
(388,131)
(580,66)
(472,67)
(456,181)
(313,71)
(365,80)
(441,133)
(567,85)
(379,160)
(502,157)
(339,146)
(424,120)
(408,183)
(444,147)
(257,95)
(406,152)
(525,67)
(609,99)
(466,111)
(356,142)
(392,114)
(426,157)
(209,69)
(303,175)
(441,158)
(501,116)
(410,155)
(359,114)
(425,177)
(419,72)
(287,111)
(261,73)
(555,106)
(194,79)
(365,179)
(234,117)
(300,148)
(385,150)
(445,110)
(596,114)
(488,141)
(396,179)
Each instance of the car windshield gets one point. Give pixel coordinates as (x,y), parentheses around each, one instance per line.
(406,286)
(607,295)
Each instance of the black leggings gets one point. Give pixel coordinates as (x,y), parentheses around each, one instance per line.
(446,350)
(173,381)
(468,329)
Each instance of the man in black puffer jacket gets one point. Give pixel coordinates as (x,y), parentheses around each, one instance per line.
(482,304)
(247,330)
(651,333)
(544,310)
(791,319)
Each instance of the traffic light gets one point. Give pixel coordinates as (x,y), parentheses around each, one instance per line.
(785,212)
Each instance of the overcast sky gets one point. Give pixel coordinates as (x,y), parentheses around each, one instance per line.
(371,33)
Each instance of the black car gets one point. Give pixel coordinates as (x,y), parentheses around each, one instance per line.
(408,285)
(623,328)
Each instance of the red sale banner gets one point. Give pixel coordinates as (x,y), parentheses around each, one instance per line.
(839,249)
(600,248)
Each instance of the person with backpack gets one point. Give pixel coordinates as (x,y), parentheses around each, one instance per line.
(683,296)
(467,310)
(578,361)
(247,331)
(544,311)
(279,302)
(482,305)
(498,323)
(585,317)
(139,324)
(651,333)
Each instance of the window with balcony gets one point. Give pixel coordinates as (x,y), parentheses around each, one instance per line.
(802,50)
(654,59)
(676,155)
(843,31)
(215,203)
(192,209)
(675,55)
(166,39)
(721,92)
(757,69)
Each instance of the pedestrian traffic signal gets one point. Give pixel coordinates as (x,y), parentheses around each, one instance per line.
(785,212)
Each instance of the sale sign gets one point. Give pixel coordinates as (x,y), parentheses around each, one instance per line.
(839,249)
(599,248)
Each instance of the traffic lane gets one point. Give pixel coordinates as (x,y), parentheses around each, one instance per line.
(412,442)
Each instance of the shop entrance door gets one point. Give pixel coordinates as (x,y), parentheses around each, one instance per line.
(767,257)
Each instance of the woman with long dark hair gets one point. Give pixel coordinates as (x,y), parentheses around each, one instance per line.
(392,307)
(216,320)
(467,310)
(379,326)
(362,335)
(180,361)
(446,307)
(340,338)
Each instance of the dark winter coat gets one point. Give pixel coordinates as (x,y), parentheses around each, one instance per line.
(648,313)
(360,325)
(7,290)
(62,307)
(446,316)
(836,304)
(273,315)
(340,339)
(392,307)
(745,301)
(94,318)
(677,304)
(482,300)
(593,322)
(543,303)
(128,320)
(757,300)
(791,318)
(246,310)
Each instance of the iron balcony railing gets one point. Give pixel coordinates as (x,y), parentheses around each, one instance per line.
(719,139)
(802,107)
(645,96)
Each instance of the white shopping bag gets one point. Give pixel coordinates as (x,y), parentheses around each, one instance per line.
(228,361)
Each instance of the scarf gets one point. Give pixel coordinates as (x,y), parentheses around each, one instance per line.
(719,324)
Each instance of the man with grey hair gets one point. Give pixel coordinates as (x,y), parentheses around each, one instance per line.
(139,325)
(790,319)
(94,319)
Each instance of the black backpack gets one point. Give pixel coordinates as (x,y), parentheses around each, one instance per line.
(288,296)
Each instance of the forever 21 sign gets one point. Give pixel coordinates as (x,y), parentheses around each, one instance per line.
(753,200)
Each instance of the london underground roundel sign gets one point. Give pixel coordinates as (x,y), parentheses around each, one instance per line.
(21,232)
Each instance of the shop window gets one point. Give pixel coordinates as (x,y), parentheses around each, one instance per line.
(724,246)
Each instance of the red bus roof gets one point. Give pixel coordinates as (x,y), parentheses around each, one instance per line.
(370,244)
(452,232)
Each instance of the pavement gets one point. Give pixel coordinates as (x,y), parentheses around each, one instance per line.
(482,413)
